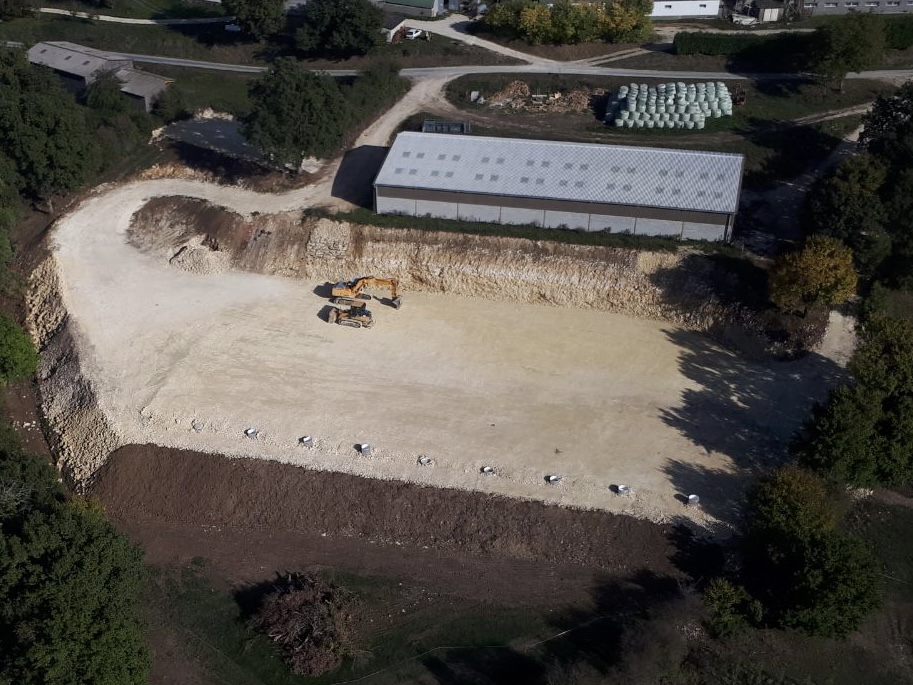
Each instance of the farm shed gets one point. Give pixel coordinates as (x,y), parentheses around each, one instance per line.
(645,191)
(79,66)
(679,9)
(415,8)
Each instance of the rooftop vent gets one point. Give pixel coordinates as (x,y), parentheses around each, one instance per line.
(479,177)
(406,153)
(486,160)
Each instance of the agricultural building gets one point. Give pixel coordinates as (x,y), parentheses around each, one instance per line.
(79,66)
(414,8)
(681,9)
(620,189)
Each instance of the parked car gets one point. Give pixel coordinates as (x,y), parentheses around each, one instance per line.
(412,34)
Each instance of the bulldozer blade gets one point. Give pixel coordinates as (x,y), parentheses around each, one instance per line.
(397,302)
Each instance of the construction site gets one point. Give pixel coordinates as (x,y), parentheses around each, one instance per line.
(566,374)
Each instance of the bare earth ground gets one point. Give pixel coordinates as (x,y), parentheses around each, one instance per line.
(190,361)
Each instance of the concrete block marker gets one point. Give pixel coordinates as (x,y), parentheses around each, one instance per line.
(425,461)
(621,489)
(251,433)
(366,449)
(487,471)
(693,500)
(306,441)
(553,479)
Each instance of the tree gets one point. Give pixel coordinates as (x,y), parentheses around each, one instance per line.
(68,590)
(887,131)
(11,9)
(170,105)
(295,114)
(809,575)
(41,131)
(821,273)
(104,95)
(848,205)
(260,18)
(18,358)
(854,42)
(863,434)
(340,27)
(835,584)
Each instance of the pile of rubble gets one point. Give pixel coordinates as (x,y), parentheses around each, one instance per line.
(516,95)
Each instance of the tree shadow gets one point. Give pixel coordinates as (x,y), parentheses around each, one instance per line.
(613,634)
(744,410)
(354,182)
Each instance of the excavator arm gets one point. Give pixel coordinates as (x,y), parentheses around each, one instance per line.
(348,293)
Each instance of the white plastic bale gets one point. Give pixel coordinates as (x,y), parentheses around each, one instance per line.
(619,123)
(689,125)
(650,123)
(699,124)
(629,123)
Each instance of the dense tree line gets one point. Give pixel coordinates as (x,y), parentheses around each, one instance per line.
(867,201)
(564,22)
(851,43)
(297,114)
(68,583)
(323,28)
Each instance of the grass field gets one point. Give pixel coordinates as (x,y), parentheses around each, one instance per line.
(144,9)
(222,91)
(410,634)
(397,626)
(208,42)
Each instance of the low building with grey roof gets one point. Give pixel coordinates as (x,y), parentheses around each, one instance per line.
(613,188)
(80,66)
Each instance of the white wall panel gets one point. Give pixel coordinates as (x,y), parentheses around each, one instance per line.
(566,219)
(613,224)
(442,210)
(479,213)
(694,231)
(394,205)
(518,215)
(659,227)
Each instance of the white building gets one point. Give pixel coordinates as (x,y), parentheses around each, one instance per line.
(677,9)
(583,186)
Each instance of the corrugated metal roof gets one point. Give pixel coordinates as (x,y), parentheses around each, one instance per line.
(423,4)
(141,83)
(73,59)
(614,174)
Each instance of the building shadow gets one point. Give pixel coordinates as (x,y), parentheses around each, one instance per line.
(354,182)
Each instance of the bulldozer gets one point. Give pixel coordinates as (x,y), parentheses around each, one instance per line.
(354,317)
(349,294)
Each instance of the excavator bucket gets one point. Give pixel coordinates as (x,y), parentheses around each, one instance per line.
(397,302)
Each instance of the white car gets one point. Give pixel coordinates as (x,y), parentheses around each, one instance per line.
(412,34)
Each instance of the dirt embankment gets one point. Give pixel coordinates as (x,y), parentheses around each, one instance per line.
(79,432)
(199,237)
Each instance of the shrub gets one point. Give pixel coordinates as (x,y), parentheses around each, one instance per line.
(731,609)
(309,619)
(18,358)
(821,273)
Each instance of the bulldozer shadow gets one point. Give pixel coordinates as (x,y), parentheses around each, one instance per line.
(324,313)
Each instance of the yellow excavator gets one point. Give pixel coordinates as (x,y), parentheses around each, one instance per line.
(349,294)
(354,317)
